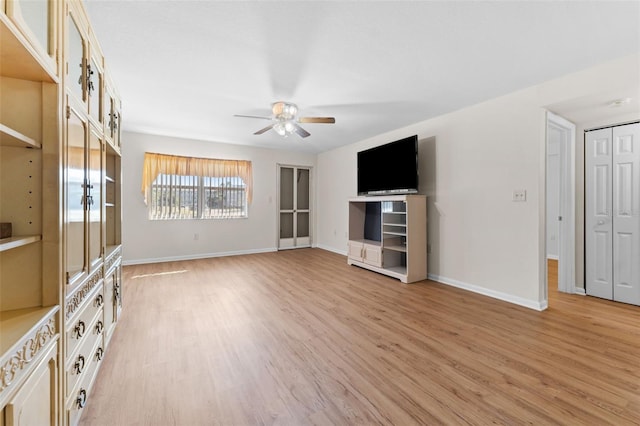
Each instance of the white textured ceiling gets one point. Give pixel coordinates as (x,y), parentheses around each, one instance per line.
(184,68)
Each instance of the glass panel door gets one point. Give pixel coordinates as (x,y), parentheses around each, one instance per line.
(94,197)
(302,208)
(75,64)
(75,196)
(294,207)
(94,90)
(34,18)
(286,196)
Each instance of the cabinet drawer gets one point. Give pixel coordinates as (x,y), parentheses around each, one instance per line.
(79,398)
(80,362)
(80,327)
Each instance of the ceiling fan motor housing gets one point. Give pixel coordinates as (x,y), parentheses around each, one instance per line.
(284,111)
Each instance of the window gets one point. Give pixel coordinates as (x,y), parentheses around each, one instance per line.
(196,188)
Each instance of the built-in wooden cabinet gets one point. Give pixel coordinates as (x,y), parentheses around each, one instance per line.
(30,291)
(388,234)
(60,271)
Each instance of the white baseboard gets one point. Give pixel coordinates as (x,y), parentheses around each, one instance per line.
(196,256)
(331,249)
(531,304)
(580,291)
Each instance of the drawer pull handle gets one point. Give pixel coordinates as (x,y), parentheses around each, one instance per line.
(99,354)
(99,300)
(99,327)
(116,291)
(82,398)
(79,365)
(80,329)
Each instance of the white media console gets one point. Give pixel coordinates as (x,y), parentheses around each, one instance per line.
(388,234)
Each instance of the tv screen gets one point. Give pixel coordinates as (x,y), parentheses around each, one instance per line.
(389,169)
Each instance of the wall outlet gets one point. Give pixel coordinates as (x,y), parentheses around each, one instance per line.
(519,195)
(196,237)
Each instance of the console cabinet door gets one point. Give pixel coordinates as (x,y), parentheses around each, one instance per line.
(36,403)
(355,251)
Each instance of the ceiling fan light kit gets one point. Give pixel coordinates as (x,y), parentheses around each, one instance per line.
(285,121)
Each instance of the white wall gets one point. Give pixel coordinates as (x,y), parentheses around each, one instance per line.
(145,240)
(471,161)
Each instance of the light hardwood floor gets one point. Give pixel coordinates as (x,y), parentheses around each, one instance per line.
(299,337)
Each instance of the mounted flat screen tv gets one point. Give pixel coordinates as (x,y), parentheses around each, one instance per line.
(391,168)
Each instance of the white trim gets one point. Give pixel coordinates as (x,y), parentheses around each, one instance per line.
(567,249)
(331,249)
(580,291)
(197,256)
(527,303)
(552,257)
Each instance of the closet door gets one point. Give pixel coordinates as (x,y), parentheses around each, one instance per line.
(626,213)
(598,223)
(612,216)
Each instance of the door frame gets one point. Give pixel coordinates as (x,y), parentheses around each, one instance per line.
(567,181)
(279,166)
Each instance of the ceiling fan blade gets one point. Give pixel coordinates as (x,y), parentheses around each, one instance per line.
(300,131)
(329,120)
(261,131)
(252,116)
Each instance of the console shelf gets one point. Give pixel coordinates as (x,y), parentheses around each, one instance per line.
(15,242)
(388,234)
(11,137)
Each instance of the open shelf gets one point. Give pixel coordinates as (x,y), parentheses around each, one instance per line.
(402,249)
(14,242)
(400,234)
(18,323)
(400,270)
(11,137)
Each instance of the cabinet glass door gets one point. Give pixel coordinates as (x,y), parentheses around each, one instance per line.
(75,60)
(94,90)
(294,208)
(33,17)
(94,197)
(117,119)
(75,196)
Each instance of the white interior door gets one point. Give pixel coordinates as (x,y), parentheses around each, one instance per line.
(294,218)
(626,213)
(598,221)
(561,199)
(612,203)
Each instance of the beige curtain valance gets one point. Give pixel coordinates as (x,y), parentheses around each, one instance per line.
(155,164)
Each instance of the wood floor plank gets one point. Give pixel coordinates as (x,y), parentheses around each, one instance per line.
(299,337)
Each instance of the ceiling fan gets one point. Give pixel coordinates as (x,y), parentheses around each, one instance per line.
(285,121)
